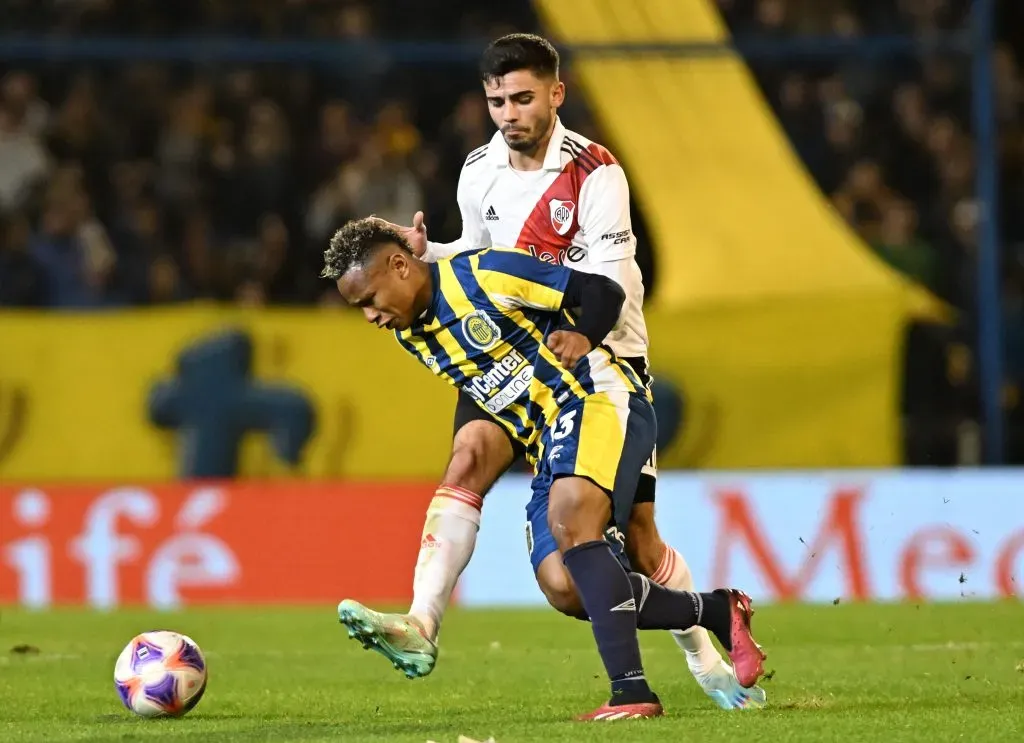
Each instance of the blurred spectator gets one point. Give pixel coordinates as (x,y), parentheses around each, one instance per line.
(24,162)
(71,245)
(898,243)
(21,101)
(21,278)
(381,183)
(181,143)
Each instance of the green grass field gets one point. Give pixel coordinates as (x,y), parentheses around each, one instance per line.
(848,673)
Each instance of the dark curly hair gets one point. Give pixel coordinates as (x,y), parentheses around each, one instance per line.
(353,244)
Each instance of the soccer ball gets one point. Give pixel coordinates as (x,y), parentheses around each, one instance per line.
(160,674)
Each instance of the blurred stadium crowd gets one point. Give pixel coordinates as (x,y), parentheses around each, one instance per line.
(890,142)
(181,181)
(148,183)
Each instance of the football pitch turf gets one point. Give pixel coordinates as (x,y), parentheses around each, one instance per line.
(844,673)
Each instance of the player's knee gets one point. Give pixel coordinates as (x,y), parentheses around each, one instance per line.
(558,588)
(643,542)
(480,453)
(578,511)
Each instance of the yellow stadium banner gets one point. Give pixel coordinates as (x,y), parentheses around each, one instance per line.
(74,391)
(775,386)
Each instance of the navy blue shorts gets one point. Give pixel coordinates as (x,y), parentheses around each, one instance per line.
(608,438)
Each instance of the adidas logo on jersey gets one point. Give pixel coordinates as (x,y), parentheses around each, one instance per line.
(491,215)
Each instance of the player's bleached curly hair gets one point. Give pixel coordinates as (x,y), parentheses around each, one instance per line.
(353,244)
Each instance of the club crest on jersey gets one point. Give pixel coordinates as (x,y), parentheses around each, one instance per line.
(561,215)
(480,331)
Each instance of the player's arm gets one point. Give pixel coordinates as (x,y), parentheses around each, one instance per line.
(597,301)
(606,224)
(516,280)
(474,231)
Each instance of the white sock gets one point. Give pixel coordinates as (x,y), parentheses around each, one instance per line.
(701,654)
(449,537)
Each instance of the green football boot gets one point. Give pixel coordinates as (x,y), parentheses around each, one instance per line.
(398,637)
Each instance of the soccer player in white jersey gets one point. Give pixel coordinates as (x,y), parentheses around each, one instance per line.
(555,194)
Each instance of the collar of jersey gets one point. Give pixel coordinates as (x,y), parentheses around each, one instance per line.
(498,150)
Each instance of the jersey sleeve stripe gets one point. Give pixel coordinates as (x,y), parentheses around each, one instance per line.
(584,157)
(475,156)
(580,163)
(600,154)
(584,161)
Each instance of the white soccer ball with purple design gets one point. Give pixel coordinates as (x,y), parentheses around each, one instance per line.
(160,674)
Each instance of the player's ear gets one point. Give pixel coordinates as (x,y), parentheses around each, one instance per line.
(557,94)
(399,263)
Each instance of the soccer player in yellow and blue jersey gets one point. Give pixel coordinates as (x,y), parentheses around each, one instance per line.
(523,338)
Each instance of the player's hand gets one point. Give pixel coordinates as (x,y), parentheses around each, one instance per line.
(416,235)
(569,346)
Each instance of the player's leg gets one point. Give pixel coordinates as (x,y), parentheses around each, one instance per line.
(649,556)
(481,452)
(579,464)
(552,576)
(578,512)
(557,586)
(595,457)
(652,557)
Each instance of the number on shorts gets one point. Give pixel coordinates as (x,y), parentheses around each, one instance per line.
(564,426)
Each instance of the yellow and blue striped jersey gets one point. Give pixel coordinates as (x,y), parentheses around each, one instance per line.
(484,333)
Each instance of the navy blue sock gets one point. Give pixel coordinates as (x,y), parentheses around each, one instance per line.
(607,595)
(658,607)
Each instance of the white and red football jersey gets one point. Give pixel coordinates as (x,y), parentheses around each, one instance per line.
(573,211)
